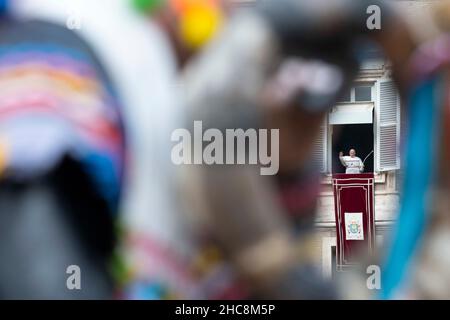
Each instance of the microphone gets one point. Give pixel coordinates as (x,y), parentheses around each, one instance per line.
(367,156)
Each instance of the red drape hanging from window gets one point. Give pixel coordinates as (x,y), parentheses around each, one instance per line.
(354,212)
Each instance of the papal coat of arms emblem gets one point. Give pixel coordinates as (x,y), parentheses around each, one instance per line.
(354,226)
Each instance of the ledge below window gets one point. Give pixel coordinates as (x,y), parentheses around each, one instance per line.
(379,178)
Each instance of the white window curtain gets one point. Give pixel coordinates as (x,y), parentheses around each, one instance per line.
(320,147)
(354,113)
(388,126)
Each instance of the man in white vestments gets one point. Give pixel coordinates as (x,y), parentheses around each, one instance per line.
(352,163)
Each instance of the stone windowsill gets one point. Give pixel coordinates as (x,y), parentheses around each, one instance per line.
(379,178)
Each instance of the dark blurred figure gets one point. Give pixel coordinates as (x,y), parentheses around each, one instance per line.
(61,169)
(417,262)
(280,66)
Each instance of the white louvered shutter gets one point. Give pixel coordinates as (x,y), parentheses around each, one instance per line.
(320,147)
(388,126)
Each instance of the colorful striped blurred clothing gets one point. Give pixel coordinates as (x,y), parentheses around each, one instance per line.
(56,101)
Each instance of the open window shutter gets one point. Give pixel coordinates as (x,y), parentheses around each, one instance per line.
(388,126)
(320,148)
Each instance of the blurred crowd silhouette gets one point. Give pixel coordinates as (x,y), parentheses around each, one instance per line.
(91,92)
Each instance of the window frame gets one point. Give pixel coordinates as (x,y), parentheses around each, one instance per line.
(374,84)
(370,84)
(377,122)
(329,146)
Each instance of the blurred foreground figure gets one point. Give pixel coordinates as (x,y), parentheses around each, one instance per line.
(161,258)
(168,260)
(138,56)
(417,265)
(280,66)
(209,272)
(61,164)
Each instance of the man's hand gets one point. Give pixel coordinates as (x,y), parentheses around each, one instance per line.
(341,159)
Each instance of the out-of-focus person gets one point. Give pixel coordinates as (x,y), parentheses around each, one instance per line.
(139,58)
(62,163)
(427,274)
(268,70)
